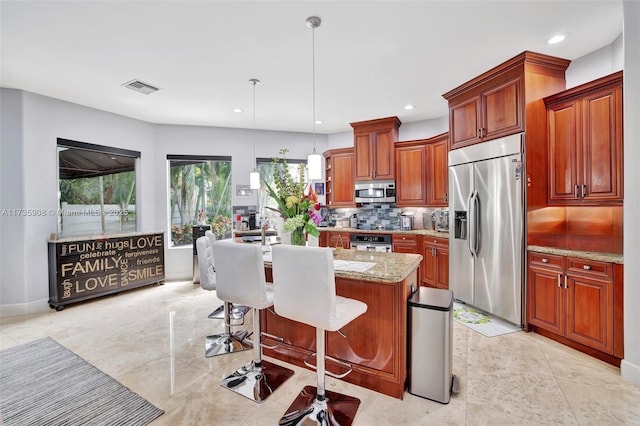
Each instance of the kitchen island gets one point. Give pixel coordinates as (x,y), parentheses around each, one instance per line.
(375,343)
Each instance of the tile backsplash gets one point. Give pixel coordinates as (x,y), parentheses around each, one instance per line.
(383,216)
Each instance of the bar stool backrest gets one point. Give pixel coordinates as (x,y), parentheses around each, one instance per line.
(205,263)
(240,277)
(304,285)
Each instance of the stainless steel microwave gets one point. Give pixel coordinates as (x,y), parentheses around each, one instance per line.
(377,191)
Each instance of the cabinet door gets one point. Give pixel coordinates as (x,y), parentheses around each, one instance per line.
(438,173)
(384,154)
(342,183)
(545,301)
(502,110)
(442,269)
(590,312)
(464,123)
(411,179)
(564,134)
(364,161)
(602,145)
(429,265)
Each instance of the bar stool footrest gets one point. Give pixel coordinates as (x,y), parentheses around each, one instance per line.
(348,366)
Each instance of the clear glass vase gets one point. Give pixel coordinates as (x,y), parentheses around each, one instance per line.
(298,238)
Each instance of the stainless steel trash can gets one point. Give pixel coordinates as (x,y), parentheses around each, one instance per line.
(431,344)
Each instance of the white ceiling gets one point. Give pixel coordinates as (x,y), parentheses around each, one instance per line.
(372,57)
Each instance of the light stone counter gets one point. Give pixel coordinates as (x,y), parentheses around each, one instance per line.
(589,255)
(387,268)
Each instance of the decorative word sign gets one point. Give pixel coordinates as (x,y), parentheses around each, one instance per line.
(81,269)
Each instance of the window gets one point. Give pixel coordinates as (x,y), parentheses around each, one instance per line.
(97,189)
(200,191)
(266,168)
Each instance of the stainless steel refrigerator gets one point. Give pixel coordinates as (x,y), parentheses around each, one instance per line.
(486,224)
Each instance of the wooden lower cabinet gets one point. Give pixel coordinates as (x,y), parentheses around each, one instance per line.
(374,344)
(435,262)
(579,301)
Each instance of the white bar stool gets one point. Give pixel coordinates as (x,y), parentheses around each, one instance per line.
(305,291)
(241,280)
(227,342)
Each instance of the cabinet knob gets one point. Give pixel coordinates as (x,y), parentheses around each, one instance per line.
(586,267)
(545,260)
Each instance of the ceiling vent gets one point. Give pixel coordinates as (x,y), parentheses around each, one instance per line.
(141,87)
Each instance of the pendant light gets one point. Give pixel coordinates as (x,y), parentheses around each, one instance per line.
(254,176)
(314,160)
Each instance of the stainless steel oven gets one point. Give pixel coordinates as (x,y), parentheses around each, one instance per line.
(371,242)
(379,191)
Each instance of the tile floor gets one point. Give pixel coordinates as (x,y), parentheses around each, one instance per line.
(151,340)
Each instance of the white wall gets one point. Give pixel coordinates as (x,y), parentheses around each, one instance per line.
(599,63)
(237,143)
(630,367)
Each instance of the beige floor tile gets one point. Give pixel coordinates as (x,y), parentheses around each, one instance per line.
(152,340)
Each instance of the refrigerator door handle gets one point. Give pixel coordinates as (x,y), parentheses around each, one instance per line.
(476,221)
(470,224)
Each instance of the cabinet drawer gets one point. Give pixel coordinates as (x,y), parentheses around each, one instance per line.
(403,238)
(444,242)
(546,260)
(592,268)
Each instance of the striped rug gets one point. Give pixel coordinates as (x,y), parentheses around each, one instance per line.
(44,383)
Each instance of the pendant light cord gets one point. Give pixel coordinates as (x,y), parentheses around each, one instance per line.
(313,82)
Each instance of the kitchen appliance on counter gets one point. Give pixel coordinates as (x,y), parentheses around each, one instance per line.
(377,191)
(486,245)
(441,220)
(406,221)
(369,242)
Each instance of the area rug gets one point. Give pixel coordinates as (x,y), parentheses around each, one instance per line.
(481,322)
(44,383)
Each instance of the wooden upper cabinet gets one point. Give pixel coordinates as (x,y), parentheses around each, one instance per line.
(438,171)
(422,173)
(374,148)
(585,143)
(411,174)
(495,103)
(339,175)
(494,112)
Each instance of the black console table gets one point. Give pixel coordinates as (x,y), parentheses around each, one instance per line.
(87,267)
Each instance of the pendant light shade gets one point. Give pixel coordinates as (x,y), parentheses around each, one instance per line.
(314,164)
(314,160)
(254,179)
(254,176)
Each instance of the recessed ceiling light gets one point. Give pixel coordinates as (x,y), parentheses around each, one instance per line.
(408,107)
(556,39)
(318,121)
(237,110)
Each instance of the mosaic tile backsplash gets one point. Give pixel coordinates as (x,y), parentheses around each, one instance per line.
(382,216)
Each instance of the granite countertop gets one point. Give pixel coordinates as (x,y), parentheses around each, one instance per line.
(384,267)
(429,232)
(589,255)
(53,238)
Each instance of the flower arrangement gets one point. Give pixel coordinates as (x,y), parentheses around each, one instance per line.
(297,202)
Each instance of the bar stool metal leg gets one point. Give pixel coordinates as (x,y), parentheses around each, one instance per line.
(316,405)
(258,379)
(227,342)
